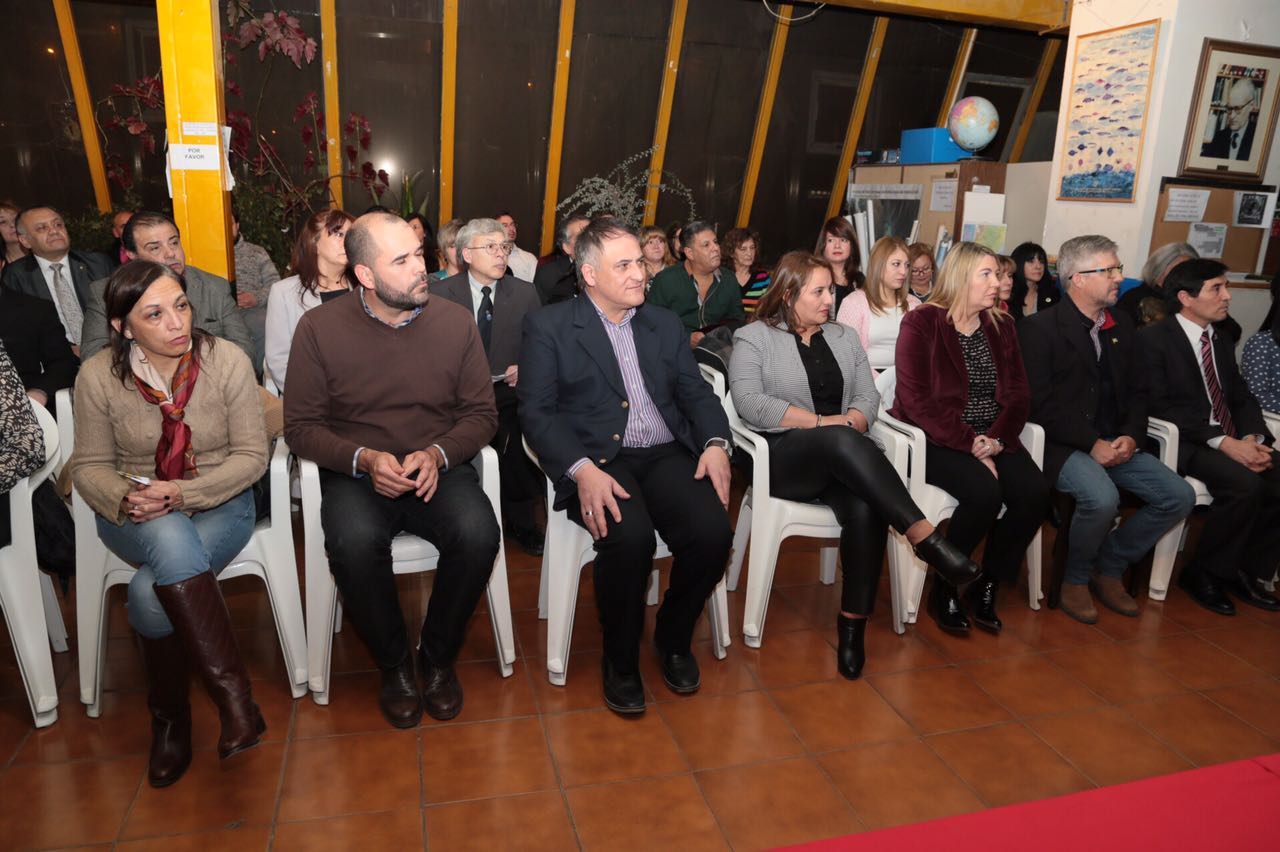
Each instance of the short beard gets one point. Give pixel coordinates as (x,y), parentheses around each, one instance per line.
(399,301)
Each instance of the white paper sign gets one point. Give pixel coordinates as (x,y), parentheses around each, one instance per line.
(1208,238)
(983,208)
(1186,205)
(199,128)
(942,196)
(905,191)
(195,158)
(1253,209)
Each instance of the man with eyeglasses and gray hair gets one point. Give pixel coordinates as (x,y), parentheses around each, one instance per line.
(499,303)
(1089,392)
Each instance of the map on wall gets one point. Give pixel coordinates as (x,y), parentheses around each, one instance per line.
(1106,113)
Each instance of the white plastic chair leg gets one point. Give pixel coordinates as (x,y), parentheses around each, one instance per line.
(20,590)
(1035,559)
(764,559)
(562,597)
(718,617)
(53,614)
(322,607)
(827,565)
(1163,559)
(651,597)
(499,597)
(741,535)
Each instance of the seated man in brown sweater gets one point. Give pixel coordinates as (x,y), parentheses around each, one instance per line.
(389,393)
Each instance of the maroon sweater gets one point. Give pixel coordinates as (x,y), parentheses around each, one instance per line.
(357,382)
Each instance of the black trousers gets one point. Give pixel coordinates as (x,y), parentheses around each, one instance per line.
(358,527)
(844,469)
(687,514)
(1242,530)
(1021,488)
(522,481)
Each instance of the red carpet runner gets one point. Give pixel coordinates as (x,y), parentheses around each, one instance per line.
(1233,806)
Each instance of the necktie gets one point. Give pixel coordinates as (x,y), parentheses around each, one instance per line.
(484,316)
(1220,411)
(1235,142)
(72,315)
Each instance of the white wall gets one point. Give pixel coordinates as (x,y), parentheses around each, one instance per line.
(1185,24)
(1026,188)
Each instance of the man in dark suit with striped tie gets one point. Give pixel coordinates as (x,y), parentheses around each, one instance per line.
(1195,383)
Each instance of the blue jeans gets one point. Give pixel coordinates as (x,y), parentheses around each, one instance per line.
(1167,499)
(173,548)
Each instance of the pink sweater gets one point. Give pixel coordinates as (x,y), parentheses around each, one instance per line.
(855,312)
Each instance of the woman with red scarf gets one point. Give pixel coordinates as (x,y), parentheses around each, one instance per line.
(169,441)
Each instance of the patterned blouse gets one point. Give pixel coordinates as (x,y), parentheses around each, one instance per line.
(21,438)
(981,409)
(1261,367)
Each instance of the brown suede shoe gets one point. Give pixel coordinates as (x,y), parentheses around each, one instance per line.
(1110,590)
(1076,602)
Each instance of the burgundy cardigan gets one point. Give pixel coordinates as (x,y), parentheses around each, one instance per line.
(933,383)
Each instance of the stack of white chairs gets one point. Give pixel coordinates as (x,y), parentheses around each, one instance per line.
(409,555)
(938,505)
(269,555)
(26,594)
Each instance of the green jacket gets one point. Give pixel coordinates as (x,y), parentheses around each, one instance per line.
(675,289)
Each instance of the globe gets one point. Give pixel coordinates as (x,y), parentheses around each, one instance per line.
(973,123)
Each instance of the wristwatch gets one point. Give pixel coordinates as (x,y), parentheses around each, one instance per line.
(722,443)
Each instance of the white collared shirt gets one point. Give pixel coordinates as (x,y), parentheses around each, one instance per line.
(477,297)
(46,269)
(522,264)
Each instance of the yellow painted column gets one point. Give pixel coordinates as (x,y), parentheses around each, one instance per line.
(555,140)
(1050,55)
(777,47)
(675,41)
(332,117)
(957,74)
(866,80)
(84,104)
(191,61)
(448,106)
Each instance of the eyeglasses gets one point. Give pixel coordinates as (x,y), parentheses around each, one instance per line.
(923,270)
(495,249)
(1239,107)
(1105,270)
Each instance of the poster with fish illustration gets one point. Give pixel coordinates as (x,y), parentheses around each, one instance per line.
(1107,112)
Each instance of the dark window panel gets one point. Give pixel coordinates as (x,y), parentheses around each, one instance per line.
(506,69)
(911,81)
(1010,53)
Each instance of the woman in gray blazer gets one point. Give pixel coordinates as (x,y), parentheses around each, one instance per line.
(805,384)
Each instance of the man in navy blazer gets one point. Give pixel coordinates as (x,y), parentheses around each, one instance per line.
(635,441)
(1223,440)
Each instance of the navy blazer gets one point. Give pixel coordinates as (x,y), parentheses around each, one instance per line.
(573,403)
(1177,392)
(24,276)
(933,382)
(1066,379)
(513,300)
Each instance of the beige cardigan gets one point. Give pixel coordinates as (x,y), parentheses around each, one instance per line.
(116,429)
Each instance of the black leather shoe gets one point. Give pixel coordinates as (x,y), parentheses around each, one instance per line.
(952,565)
(680,672)
(1208,591)
(530,540)
(441,690)
(981,597)
(1250,591)
(623,693)
(851,654)
(945,609)
(398,698)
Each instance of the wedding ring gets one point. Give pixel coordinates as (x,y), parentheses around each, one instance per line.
(587,513)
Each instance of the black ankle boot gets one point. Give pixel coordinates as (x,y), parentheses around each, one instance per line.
(981,597)
(952,565)
(852,653)
(945,609)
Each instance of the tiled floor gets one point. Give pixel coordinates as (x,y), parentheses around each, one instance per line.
(775,749)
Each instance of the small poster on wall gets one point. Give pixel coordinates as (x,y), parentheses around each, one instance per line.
(1252,209)
(1107,112)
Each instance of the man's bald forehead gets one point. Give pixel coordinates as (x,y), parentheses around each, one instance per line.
(361,241)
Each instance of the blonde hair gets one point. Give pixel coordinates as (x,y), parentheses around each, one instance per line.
(654,231)
(951,288)
(880,297)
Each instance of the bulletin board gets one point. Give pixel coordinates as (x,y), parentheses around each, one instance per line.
(1240,252)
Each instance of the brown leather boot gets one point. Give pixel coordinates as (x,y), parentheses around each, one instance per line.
(166,662)
(200,619)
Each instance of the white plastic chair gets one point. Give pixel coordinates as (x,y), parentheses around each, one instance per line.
(269,555)
(568,547)
(66,428)
(26,594)
(409,555)
(938,505)
(1165,434)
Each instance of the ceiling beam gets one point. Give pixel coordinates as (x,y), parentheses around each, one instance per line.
(1039,15)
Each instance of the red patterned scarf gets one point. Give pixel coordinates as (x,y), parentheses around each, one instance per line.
(175,459)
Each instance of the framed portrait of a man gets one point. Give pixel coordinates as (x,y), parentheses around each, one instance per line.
(1233,111)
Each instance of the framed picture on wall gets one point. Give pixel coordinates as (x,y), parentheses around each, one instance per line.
(1107,112)
(1233,111)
